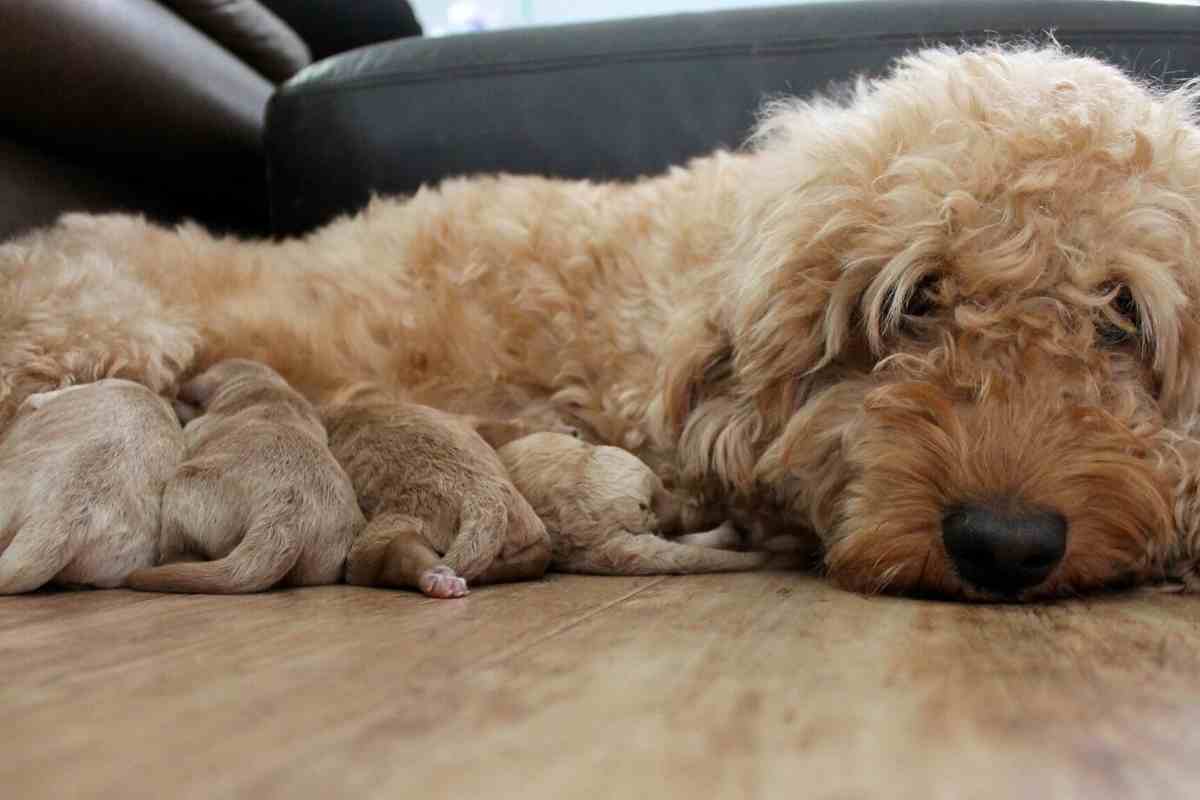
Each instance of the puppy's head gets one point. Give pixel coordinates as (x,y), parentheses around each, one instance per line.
(956,325)
(236,384)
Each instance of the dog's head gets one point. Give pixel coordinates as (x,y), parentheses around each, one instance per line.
(956,326)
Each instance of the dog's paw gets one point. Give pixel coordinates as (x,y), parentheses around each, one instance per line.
(1189,579)
(35,402)
(723,537)
(443,583)
(1177,578)
(568,430)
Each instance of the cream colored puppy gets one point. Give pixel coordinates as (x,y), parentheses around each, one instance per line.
(602,508)
(260,499)
(443,513)
(82,472)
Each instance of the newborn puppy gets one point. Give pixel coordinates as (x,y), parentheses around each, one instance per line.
(259,492)
(602,505)
(441,511)
(82,471)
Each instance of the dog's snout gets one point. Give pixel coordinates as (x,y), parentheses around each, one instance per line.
(1004,551)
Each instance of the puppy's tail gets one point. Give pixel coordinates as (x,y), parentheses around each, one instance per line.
(266,554)
(628,554)
(36,554)
(483,524)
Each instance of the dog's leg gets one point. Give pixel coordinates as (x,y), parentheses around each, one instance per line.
(482,530)
(39,551)
(724,537)
(262,559)
(393,550)
(526,564)
(200,519)
(625,553)
(498,433)
(527,548)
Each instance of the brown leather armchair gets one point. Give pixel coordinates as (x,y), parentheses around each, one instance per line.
(156,106)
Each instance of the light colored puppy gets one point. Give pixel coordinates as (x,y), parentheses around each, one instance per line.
(82,472)
(602,507)
(260,494)
(442,512)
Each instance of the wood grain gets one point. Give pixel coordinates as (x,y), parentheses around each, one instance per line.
(753,685)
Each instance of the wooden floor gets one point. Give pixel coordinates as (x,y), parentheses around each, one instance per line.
(758,685)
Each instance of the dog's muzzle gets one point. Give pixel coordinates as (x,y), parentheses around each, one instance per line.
(1003,551)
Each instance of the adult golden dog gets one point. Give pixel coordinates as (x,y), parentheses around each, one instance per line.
(947,326)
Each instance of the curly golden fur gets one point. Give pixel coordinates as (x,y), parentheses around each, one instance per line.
(970,283)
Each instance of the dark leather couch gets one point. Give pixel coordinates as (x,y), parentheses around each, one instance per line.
(620,99)
(157,106)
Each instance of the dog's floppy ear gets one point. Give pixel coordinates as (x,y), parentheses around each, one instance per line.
(699,358)
(793,314)
(716,426)
(736,367)
(1179,375)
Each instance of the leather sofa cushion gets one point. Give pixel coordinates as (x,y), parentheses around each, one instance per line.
(335,26)
(630,97)
(124,77)
(251,31)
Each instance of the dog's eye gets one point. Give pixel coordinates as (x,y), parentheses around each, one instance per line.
(922,300)
(1121,321)
(908,318)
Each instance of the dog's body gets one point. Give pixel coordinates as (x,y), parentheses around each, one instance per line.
(949,327)
(82,472)
(441,511)
(260,499)
(605,511)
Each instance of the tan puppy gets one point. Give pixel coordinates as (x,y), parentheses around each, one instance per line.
(442,511)
(602,505)
(81,480)
(259,492)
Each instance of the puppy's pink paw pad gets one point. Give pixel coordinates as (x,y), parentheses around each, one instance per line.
(442,583)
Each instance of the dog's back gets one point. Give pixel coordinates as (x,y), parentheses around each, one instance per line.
(87,511)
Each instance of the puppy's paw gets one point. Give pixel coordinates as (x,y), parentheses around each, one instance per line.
(443,583)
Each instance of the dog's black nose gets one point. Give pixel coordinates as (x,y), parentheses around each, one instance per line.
(1002,551)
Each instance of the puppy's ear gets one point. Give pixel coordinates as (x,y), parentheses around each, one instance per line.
(186,412)
(199,390)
